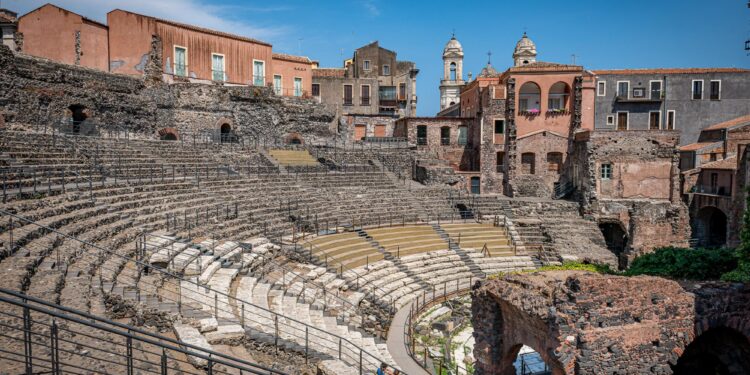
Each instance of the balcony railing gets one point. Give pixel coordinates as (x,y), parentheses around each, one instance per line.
(348,101)
(218,75)
(422,141)
(180,70)
(445,141)
(365,101)
(712,190)
(259,80)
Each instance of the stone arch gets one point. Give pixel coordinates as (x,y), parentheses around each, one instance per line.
(616,237)
(452,73)
(558,96)
(530,98)
(720,350)
(294,139)
(710,227)
(77,114)
(168,134)
(225,128)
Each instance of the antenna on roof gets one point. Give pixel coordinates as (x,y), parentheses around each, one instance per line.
(574,58)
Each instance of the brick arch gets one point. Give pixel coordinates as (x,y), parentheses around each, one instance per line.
(169,134)
(224,121)
(294,138)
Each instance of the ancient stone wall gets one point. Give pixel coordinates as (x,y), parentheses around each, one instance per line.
(581,323)
(492,109)
(39,92)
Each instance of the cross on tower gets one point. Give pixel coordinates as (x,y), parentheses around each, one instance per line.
(489,57)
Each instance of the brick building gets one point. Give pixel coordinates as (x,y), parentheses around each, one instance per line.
(373,82)
(189,53)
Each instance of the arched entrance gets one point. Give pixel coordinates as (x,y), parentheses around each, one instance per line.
(168,137)
(719,351)
(78,116)
(529,362)
(710,227)
(226,133)
(616,239)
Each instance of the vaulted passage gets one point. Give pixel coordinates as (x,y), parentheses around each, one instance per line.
(616,240)
(78,116)
(710,227)
(718,351)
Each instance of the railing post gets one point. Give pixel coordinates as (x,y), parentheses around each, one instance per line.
(210,365)
(276,332)
(54,349)
(163,361)
(27,339)
(339,348)
(360,360)
(129,344)
(306,343)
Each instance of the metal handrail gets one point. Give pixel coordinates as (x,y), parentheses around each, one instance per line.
(127,331)
(197,285)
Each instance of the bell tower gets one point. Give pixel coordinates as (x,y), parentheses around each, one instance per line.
(453,64)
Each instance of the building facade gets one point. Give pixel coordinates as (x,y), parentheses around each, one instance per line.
(373,83)
(292,75)
(452,81)
(686,100)
(8,28)
(61,35)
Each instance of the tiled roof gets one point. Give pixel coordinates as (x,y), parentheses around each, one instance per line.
(329,72)
(728,124)
(202,29)
(699,145)
(545,66)
(671,71)
(292,58)
(728,163)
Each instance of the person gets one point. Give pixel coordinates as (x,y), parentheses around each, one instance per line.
(382,369)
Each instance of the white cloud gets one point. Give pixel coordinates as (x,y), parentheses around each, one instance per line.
(194,12)
(371,7)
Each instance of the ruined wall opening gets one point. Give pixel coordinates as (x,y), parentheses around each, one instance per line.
(529,362)
(78,116)
(721,351)
(710,227)
(528,163)
(168,137)
(226,133)
(616,239)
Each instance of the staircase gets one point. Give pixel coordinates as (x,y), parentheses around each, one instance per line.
(473,267)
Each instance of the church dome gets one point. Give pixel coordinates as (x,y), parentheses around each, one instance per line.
(453,46)
(488,71)
(525,44)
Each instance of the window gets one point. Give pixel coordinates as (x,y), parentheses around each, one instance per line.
(655,87)
(422,135)
(601,88)
(554,161)
(277,84)
(445,136)
(499,126)
(654,120)
(259,73)
(475,185)
(554,103)
(622,88)
(366,65)
(610,120)
(714,92)
(386,70)
(670,119)
(523,104)
(297,86)
(452,75)
(348,95)
(529,98)
(387,93)
(364,93)
(622,121)
(180,61)
(697,89)
(217,67)
(500,161)
(316,89)
(402,91)
(606,171)
(528,163)
(463,135)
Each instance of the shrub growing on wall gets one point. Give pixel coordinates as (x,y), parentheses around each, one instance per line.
(679,263)
(742,273)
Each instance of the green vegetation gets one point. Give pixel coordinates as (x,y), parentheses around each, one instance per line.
(742,272)
(679,263)
(578,266)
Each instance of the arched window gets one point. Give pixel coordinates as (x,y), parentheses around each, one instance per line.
(528,163)
(558,97)
(453,71)
(529,98)
(226,133)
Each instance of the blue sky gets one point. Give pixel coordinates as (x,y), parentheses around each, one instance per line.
(602,34)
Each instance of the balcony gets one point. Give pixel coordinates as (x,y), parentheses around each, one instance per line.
(639,95)
(721,191)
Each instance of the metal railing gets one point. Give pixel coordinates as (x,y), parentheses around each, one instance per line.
(270,325)
(712,190)
(59,340)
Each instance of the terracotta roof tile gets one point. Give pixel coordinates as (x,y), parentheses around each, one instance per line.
(202,29)
(728,124)
(699,145)
(292,58)
(728,163)
(329,72)
(671,71)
